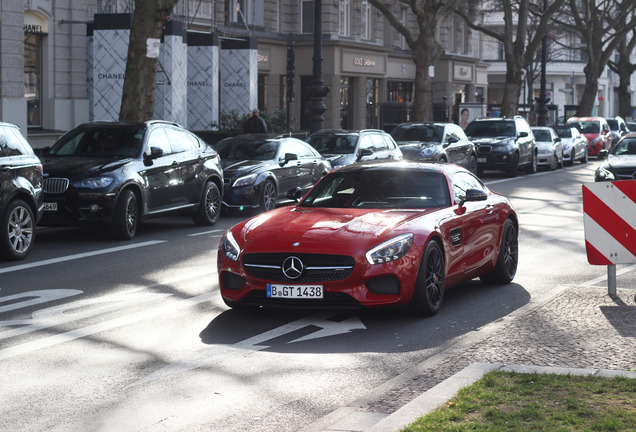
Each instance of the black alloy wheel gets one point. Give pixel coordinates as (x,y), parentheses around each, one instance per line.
(506,267)
(209,207)
(126,216)
(268,196)
(430,284)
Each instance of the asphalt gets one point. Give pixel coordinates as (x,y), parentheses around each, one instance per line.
(571,329)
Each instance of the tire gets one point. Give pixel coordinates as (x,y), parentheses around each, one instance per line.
(268,196)
(506,267)
(560,164)
(17,232)
(532,168)
(209,207)
(555,162)
(513,170)
(571,162)
(585,158)
(126,217)
(429,289)
(472,165)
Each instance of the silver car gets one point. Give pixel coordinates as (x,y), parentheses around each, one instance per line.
(549,146)
(436,142)
(574,144)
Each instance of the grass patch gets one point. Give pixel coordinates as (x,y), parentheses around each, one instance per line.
(508,401)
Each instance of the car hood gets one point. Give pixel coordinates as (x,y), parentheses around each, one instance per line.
(409,145)
(234,168)
(491,140)
(623,161)
(80,167)
(327,230)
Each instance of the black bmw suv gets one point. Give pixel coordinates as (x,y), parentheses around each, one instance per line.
(503,144)
(116,174)
(20,193)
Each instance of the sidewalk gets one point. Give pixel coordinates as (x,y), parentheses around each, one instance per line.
(574,329)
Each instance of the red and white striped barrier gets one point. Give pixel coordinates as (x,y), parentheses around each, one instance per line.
(610,222)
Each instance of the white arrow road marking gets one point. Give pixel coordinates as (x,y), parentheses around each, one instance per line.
(202,356)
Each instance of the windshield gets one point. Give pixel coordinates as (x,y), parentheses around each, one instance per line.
(563,132)
(238,149)
(425,133)
(587,127)
(333,144)
(613,124)
(541,135)
(493,128)
(626,146)
(380,188)
(101,141)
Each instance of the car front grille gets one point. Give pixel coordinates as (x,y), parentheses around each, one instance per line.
(317,267)
(626,174)
(55,185)
(484,149)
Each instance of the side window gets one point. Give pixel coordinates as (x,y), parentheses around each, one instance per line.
(4,147)
(366,143)
(388,141)
(463,181)
(179,140)
(302,151)
(378,143)
(159,138)
(460,133)
(16,143)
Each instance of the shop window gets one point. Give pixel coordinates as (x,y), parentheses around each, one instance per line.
(33,78)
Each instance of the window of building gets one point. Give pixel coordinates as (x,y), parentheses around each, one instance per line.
(365,15)
(307,16)
(262,92)
(399,91)
(33,78)
(345,17)
(346,106)
(372,103)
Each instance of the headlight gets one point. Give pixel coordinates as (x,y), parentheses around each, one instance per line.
(94,183)
(604,174)
(428,151)
(390,250)
(231,248)
(245,181)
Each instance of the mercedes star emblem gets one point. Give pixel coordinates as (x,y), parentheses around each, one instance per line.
(293,267)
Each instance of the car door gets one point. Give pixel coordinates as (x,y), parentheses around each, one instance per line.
(525,139)
(457,145)
(161,173)
(308,164)
(186,189)
(288,174)
(479,231)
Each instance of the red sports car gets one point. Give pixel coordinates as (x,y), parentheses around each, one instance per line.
(371,235)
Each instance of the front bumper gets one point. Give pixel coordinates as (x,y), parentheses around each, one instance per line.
(78,209)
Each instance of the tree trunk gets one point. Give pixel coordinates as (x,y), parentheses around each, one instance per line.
(512,91)
(589,93)
(424,55)
(138,96)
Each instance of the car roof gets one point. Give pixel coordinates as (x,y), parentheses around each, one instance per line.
(447,169)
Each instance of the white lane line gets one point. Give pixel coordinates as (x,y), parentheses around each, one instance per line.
(100,327)
(207,232)
(78,256)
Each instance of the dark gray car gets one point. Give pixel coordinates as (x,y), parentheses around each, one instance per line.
(436,142)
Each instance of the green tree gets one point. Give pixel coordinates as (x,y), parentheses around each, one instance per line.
(138,96)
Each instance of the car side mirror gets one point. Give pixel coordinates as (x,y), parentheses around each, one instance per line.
(603,154)
(294,194)
(473,195)
(288,157)
(523,134)
(364,152)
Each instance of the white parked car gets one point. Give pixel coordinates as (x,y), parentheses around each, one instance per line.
(549,146)
(574,144)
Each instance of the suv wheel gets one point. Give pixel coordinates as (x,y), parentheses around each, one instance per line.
(17,231)
(514,166)
(126,217)
(209,207)
(532,168)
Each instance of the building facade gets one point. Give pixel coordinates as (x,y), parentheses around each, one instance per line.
(46,81)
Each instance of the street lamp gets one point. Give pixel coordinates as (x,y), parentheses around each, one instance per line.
(317,89)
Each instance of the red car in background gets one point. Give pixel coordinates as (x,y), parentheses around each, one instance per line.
(596,130)
(370,235)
